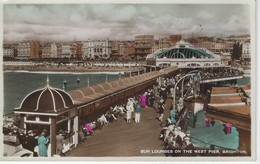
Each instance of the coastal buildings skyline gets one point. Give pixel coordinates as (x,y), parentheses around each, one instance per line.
(141,46)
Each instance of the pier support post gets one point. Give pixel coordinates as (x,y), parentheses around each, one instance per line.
(53,130)
(194,120)
(21,125)
(76,129)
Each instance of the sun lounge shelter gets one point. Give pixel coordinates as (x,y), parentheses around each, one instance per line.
(51,109)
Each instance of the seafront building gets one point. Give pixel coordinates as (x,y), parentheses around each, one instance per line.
(79,51)
(66,51)
(216,47)
(164,42)
(73,49)
(120,50)
(9,51)
(246,52)
(53,50)
(28,50)
(143,45)
(130,48)
(175,38)
(59,50)
(49,50)
(93,49)
(46,50)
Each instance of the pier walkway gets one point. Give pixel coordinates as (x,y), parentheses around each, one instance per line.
(121,139)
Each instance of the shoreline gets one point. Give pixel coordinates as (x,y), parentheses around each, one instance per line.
(78,70)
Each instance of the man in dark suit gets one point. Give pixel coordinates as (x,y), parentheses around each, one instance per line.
(31,141)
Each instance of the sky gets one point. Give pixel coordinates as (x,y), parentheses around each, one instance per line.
(66,22)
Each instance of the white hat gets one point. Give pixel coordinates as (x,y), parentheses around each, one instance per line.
(186,138)
(29,131)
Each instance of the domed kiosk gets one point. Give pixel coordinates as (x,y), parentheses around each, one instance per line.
(51,109)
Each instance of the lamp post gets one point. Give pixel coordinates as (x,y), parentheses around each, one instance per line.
(194,71)
(182,78)
(78,81)
(65,84)
(174,89)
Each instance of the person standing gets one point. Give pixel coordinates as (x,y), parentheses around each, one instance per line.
(129,110)
(207,122)
(161,110)
(143,100)
(138,110)
(31,141)
(59,143)
(22,137)
(42,144)
(172,115)
(152,99)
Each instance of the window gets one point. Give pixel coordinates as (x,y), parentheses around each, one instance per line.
(44,118)
(30,117)
(63,116)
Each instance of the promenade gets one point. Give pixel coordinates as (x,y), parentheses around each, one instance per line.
(121,139)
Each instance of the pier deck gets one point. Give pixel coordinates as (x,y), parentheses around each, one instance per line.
(121,139)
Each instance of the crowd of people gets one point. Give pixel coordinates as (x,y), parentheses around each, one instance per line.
(216,73)
(174,134)
(35,141)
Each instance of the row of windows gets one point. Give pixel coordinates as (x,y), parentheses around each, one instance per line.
(98,50)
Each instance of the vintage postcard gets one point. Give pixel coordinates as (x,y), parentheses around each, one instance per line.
(128,80)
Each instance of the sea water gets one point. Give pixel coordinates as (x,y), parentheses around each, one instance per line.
(18,84)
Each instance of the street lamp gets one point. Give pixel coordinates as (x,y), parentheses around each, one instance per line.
(194,71)
(182,78)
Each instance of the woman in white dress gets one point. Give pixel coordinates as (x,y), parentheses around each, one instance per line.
(129,110)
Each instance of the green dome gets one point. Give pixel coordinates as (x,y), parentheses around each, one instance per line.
(182,50)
